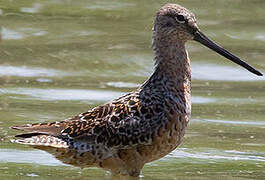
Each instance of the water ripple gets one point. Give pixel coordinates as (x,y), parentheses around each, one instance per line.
(214,155)
(24,71)
(201,100)
(75,94)
(62,94)
(10,34)
(37,157)
(123,84)
(217,155)
(255,123)
(107,5)
(36,7)
(222,73)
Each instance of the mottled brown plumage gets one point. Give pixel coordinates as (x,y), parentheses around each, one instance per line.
(140,127)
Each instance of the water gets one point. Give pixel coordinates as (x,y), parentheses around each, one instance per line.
(60,58)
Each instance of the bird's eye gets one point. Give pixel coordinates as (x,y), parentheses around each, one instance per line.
(180,18)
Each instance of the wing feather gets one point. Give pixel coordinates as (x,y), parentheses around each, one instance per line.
(125,121)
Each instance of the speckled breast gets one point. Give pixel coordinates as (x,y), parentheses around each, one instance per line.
(166,138)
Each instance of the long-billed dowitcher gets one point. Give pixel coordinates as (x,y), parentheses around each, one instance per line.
(139,127)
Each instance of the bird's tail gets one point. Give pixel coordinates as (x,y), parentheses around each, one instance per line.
(42,134)
(37,139)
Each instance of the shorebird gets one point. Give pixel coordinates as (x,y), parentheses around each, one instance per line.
(123,135)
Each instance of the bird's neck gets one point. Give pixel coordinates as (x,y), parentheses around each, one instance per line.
(171,78)
(172,66)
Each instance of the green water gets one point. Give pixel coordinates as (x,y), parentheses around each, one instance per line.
(60,57)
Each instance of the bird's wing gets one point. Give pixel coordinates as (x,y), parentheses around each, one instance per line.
(125,121)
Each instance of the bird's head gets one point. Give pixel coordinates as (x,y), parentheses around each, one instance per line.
(175,24)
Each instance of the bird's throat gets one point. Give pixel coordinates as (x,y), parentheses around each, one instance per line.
(173,64)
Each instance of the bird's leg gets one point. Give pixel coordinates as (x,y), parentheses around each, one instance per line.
(133,161)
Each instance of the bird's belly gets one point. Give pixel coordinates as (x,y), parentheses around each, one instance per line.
(166,139)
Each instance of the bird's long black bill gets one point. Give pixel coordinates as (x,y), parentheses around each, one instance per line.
(200,37)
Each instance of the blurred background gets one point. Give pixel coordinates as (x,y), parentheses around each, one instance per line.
(59,58)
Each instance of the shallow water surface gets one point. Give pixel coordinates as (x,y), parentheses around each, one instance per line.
(59,58)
